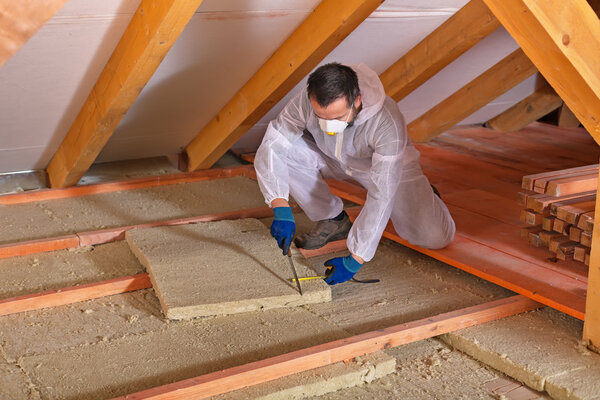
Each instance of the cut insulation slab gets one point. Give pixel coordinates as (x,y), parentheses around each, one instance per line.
(224,267)
(319,381)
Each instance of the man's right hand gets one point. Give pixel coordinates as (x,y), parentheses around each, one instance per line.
(283,227)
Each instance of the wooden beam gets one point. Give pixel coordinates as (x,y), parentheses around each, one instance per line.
(9,250)
(562,38)
(20,20)
(91,238)
(129,184)
(313,357)
(503,76)
(566,118)
(74,294)
(458,34)
(152,31)
(108,235)
(316,37)
(591,326)
(541,102)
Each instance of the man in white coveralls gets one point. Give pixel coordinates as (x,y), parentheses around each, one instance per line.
(343,126)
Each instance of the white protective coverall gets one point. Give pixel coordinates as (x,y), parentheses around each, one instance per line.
(295,156)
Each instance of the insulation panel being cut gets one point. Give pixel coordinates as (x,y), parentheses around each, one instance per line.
(223,267)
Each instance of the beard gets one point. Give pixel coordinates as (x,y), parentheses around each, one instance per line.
(357,110)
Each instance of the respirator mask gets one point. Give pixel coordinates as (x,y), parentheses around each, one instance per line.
(334,126)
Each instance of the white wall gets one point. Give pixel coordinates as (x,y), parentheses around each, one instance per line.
(44,85)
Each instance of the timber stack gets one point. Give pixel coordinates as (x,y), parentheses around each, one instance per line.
(559,211)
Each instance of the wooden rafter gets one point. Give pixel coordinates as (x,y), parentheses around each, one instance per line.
(318,35)
(541,102)
(458,34)
(152,31)
(503,76)
(20,20)
(562,38)
(344,349)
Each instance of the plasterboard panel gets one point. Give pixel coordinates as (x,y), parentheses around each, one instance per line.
(47,81)
(202,90)
(189,88)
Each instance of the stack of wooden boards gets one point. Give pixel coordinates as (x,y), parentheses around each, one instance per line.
(559,211)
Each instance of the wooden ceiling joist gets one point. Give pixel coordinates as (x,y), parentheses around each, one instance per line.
(458,34)
(541,102)
(20,20)
(503,76)
(317,36)
(152,31)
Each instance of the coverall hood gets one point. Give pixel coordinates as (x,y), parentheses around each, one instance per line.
(371,89)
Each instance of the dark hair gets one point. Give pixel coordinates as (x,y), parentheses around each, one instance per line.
(331,81)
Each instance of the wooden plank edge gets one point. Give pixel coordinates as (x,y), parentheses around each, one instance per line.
(108,235)
(35,246)
(137,183)
(74,294)
(574,312)
(317,356)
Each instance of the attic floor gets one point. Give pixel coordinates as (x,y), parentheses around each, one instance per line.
(120,344)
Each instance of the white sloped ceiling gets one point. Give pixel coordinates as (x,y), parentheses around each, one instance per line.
(44,85)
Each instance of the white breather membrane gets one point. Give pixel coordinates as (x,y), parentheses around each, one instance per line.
(296,154)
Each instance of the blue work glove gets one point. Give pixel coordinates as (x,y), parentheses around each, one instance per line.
(283,227)
(341,269)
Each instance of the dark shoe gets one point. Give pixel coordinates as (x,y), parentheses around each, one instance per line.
(324,232)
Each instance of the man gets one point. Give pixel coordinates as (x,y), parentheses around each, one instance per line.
(343,126)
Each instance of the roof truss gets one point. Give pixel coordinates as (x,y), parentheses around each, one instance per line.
(506,74)
(458,34)
(152,31)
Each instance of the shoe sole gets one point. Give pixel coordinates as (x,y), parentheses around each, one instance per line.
(337,236)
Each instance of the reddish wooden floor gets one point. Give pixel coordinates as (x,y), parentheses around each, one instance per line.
(478,172)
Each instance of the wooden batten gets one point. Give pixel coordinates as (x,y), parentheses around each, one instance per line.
(458,34)
(316,37)
(503,76)
(20,20)
(562,39)
(152,31)
(533,107)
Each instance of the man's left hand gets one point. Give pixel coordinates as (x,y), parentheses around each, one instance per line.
(341,269)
